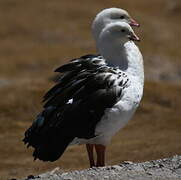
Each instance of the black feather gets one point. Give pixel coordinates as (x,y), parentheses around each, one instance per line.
(68,67)
(91,85)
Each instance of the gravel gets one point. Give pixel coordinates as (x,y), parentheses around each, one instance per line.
(163,169)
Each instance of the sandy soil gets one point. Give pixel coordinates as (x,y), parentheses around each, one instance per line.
(37,36)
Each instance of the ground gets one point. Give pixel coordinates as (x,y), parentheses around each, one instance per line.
(162,169)
(39,35)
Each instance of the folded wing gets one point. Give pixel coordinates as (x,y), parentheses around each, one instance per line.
(74,106)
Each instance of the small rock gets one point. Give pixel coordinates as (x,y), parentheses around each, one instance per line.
(117,167)
(128,162)
(67,178)
(149,173)
(31,177)
(106,177)
(57,169)
(161,165)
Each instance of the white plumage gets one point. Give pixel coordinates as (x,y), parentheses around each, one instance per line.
(130,62)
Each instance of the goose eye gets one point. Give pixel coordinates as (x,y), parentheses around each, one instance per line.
(121,17)
(123,30)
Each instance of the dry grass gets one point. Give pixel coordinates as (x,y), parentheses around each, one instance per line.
(38,35)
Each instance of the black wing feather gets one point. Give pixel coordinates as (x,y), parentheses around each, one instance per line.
(93,86)
(59,99)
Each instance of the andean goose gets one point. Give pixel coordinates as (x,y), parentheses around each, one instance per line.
(92,100)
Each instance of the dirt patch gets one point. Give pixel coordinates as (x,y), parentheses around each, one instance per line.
(39,35)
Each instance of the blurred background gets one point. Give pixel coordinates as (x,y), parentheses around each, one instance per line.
(39,35)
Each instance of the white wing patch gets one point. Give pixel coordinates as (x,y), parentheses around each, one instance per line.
(70,101)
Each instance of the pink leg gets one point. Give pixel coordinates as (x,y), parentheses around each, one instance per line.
(90,151)
(100,150)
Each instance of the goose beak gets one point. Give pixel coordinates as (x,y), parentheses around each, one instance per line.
(134,23)
(134,37)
